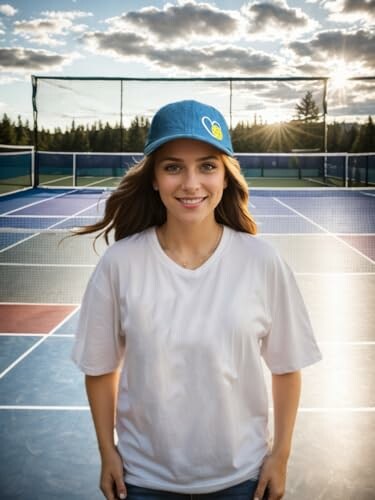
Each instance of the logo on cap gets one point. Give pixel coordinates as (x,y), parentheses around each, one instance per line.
(212,127)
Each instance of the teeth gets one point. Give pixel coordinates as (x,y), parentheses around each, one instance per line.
(190,200)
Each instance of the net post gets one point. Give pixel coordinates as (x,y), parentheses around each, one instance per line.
(32,166)
(35,177)
(346,170)
(74,169)
(230,102)
(325,130)
(121,117)
(367,169)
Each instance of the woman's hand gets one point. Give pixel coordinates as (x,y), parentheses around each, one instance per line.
(112,476)
(272,477)
(286,388)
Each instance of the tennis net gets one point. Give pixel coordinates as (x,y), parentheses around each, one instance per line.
(260,169)
(16,167)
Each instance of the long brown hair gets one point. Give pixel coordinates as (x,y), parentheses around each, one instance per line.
(135,206)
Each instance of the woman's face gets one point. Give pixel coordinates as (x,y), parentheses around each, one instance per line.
(190,177)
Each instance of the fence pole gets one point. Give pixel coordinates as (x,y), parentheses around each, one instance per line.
(35,177)
(121,119)
(346,174)
(74,170)
(230,103)
(325,129)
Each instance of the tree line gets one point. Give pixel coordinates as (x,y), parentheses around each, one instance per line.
(304,132)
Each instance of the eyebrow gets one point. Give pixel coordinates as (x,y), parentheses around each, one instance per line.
(203,158)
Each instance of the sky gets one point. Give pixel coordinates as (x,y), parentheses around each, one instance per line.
(186,38)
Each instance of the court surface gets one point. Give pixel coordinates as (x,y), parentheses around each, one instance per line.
(48,446)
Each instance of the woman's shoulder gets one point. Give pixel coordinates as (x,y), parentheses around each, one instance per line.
(254,243)
(258,252)
(130,245)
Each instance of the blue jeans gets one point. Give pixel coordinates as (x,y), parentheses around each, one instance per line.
(242,491)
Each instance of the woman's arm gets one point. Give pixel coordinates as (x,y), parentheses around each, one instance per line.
(102,395)
(286,389)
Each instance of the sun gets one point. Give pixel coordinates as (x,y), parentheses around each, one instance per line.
(339,74)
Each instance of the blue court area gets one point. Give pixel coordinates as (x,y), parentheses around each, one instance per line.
(48,443)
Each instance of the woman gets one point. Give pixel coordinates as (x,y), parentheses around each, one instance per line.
(176,318)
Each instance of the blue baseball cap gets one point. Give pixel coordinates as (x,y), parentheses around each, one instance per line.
(188,120)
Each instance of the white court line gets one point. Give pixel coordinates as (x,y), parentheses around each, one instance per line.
(321,235)
(45,408)
(37,344)
(5,334)
(71,335)
(359,409)
(97,182)
(56,180)
(52,225)
(16,191)
(345,409)
(276,216)
(325,230)
(37,202)
(292,234)
(8,334)
(252,205)
(346,342)
(39,304)
(367,194)
(38,264)
(355,234)
(89,266)
(328,273)
(44,217)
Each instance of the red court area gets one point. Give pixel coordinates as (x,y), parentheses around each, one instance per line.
(32,318)
(365,243)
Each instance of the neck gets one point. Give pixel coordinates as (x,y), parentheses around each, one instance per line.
(189,237)
(189,245)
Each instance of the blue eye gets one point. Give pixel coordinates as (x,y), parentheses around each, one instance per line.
(172,169)
(208,167)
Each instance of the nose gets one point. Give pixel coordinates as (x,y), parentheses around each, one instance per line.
(190,181)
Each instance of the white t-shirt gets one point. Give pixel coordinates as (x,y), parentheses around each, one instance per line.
(192,409)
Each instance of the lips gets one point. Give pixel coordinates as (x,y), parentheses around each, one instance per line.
(191,201)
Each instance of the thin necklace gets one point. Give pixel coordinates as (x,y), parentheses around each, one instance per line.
(184,263)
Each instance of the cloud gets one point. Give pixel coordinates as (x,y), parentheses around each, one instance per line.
(184,20)
(310,68)
(360,109)
(44,30)
(229,59)
(356,48)
(121,44)
(214,58)
(19,59)
(351,10)
(67,14)
(277,19)
(7,10)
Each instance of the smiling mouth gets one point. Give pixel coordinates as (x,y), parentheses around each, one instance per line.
(191,201)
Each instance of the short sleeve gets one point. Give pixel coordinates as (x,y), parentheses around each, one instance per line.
(99,343)
(290,342)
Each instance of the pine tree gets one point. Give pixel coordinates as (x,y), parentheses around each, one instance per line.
(307,110)
(136,134)
(7,131)
(22,137)
(365,140)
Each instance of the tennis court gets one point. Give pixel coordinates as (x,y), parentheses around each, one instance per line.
(48,442)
